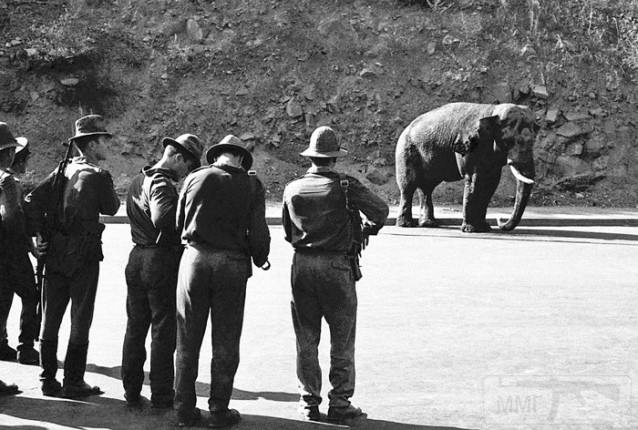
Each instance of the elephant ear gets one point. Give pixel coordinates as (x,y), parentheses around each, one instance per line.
(486,130)
(490,129)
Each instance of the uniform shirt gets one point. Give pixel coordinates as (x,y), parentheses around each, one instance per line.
(88,192)
(225,208)
(314,211)
(151,205)
(12,229)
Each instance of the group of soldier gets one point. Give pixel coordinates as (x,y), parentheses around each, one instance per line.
(193,254)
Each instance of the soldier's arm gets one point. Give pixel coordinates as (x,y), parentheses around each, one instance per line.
(371,205)
(259,235)
(285,220)
(109,201)
(181,203)
(163,203)
(10,208)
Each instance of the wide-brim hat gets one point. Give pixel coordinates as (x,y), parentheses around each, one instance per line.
(6,138)
(90,125)
(23,145)
(231,142)
(324,144)
(189,143)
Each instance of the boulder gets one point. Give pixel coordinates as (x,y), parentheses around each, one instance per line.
(70,82)
(367,73)
(571,129)
(576,116)
(540,91)
(569,166)
(575,149)
(293,108)
(552,115)
(194,31)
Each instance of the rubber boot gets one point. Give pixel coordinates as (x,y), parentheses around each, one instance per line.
(74,368)
(49,364)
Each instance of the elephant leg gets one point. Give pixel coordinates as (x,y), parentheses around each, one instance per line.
(473,206)
(488,187)
(404,218)
(426,218)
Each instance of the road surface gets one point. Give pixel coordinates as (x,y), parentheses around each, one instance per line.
(536,328)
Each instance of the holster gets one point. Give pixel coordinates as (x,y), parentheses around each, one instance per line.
(356,269)
(70,252)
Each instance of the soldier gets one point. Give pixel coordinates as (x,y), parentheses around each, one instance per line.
(21,279)
(321,220)
(221,217)
(73,253)
(151,273)
(10,218)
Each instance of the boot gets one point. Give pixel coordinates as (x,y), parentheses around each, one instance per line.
(28,355)
(49,364)
(74,368)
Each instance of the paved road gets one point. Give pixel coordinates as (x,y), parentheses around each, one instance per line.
(536,328)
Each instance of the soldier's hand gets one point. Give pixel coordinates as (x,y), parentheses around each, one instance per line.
(40,247)
(265,266)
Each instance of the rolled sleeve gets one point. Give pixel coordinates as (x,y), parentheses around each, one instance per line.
(163,204)
(259,235)
(110,202)
(372,206)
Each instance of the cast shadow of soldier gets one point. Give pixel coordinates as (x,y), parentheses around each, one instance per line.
(106,412)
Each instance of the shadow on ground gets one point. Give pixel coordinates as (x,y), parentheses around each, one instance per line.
(107,413)
(522,233)
(202,389)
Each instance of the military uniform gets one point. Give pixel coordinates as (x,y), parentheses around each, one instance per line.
(73,260)
(319,226)
(221,217)
(10,219)
(21,281)
(151,277)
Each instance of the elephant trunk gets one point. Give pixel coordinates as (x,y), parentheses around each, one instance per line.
(523,190)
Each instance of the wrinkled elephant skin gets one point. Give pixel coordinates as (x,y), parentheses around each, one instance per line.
(466,141)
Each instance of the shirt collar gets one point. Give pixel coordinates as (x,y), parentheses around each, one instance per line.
(320,169)
(228,167)
(150,171)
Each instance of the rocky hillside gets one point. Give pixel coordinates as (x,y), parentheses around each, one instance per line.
(270,71)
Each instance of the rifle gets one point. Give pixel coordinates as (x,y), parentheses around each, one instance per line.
(359,238)
(51,220)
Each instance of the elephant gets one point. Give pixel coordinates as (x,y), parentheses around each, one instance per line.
(469,141)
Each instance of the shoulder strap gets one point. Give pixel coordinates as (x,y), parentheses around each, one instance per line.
(344,184)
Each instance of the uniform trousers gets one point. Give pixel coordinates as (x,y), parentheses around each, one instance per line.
(79,288)
(151,278)
(18,278)
(323,286)
(209,281)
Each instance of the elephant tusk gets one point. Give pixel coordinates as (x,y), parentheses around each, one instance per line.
(518,175)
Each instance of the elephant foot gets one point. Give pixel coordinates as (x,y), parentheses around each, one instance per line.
(430,223)
(405,222)
(482,227)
